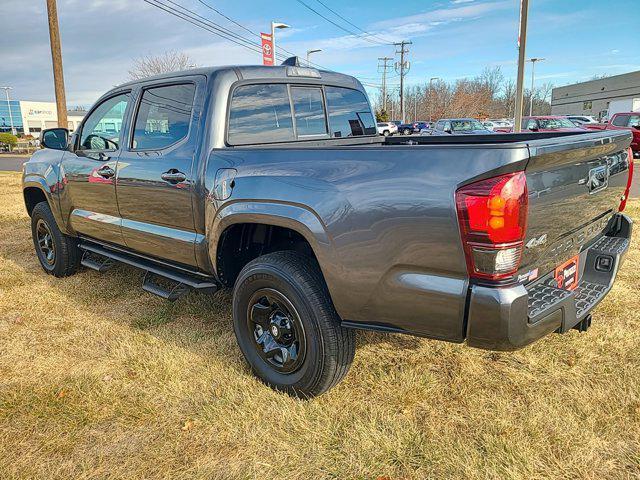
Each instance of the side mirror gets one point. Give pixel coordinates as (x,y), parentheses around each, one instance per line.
(447,130)
(55,138)
(533,128)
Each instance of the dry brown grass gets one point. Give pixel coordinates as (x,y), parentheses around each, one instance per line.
(101,380)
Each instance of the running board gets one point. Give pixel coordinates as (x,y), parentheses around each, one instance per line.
(96,262)
(158,279)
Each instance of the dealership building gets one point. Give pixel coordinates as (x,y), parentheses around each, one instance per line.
(593,97)
(30,118)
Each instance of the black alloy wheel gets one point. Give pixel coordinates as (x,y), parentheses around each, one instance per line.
(45,244)
(277,330)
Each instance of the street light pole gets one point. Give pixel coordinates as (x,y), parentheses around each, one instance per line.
(533,67)
(522,42)
(6,91)
(275,25)
(309,52)
(431,96)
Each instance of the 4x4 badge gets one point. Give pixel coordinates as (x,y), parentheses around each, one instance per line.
(535,242)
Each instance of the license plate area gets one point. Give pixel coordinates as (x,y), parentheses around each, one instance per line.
(566,274)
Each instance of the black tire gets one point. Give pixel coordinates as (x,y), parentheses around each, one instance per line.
(328,348)
(407,131)
(386,133)
(66,254)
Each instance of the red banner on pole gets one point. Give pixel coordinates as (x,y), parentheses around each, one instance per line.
(267,49)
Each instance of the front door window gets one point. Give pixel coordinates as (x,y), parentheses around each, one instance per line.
(101,130)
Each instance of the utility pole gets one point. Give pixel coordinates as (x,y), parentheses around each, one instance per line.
(403,68)
(522,42)
(533,67)
(6,91)
(384,67)
(56,58)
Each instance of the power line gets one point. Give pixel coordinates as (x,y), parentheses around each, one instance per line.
(205,25)
(352,24)
(358,35)
(212,27)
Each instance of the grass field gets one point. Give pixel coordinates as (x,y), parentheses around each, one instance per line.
(101,380)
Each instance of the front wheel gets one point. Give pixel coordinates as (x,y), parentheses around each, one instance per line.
(58,253)
(287,327)
(386,133)
(407,131)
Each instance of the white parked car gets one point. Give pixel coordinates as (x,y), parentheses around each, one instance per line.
(492,124)
(387,128)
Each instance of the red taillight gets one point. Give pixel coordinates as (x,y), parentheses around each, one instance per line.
(623,202)
(493,222)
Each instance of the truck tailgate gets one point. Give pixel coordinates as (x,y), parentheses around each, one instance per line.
(575,186)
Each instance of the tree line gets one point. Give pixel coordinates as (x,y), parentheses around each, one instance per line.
(489,95)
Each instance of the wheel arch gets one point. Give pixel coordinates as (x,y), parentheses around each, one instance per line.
(269,226)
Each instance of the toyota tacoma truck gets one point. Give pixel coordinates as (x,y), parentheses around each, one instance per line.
(273,182)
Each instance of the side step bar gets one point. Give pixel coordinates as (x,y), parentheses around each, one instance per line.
(158,279)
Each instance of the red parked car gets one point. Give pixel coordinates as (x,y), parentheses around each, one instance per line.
(623,121)
(545,123)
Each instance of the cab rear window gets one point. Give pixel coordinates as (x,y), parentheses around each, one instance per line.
(272,113)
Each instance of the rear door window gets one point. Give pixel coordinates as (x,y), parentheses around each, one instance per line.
(260,114)
(163,116)
(308,109)
(349,113)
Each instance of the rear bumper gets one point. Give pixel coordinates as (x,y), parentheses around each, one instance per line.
(510,318)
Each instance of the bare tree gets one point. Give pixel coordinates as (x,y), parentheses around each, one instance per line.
(149,65)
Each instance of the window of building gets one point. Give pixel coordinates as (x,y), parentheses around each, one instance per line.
(308,108)
(349,113)
(163,116)
(260,114)
(95,134)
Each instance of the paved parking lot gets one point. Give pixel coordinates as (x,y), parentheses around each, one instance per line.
(12,163)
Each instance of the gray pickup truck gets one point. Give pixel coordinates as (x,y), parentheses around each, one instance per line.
(272,181)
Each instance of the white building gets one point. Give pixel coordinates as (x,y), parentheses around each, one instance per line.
(30,118)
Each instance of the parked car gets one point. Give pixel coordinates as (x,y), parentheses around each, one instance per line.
(412,128)
(387,128)
(545,123)
(493,124)
(581,120)
(623,121)
(273,182)
(458,126)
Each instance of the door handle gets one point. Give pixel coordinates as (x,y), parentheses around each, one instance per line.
(173,176)
(106,171)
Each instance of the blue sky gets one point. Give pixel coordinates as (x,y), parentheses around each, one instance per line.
(451,38)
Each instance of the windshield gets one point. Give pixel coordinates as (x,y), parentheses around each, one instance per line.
(551,123)
(466,125)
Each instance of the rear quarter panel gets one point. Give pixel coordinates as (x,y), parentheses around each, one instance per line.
(381,220)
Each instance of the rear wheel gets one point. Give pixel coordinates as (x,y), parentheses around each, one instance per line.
(58,253)
(287,327)
(386,133)
(407,131)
